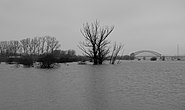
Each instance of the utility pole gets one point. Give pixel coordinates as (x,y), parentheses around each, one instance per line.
(177,51)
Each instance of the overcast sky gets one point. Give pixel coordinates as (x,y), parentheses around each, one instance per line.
(140,24)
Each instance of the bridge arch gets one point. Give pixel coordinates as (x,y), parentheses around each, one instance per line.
(148,51)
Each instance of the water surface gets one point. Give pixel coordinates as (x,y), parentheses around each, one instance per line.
(126,86)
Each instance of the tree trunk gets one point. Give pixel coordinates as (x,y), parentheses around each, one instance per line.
(100,61)
(95,61)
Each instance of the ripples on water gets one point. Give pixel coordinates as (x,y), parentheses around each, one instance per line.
(126,86)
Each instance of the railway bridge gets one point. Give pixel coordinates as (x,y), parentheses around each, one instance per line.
(138,54)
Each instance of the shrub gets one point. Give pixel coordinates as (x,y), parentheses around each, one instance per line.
(9,60)
(153,59)
(26,61)
(47,61)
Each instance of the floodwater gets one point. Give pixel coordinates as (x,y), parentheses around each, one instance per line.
(130,85)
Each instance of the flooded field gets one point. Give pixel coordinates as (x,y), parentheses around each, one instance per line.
(127,86)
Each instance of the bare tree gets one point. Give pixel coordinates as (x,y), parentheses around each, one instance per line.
(115,51)
(9,48)
(14,47)
(54,44)
(25,45)
(38,45)
(43,41)
(1,48)
(51,44)
(96,44)
(34,44)
(71,52)
(3,45)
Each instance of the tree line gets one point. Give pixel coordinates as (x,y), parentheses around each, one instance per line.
(29,46)
(45,50)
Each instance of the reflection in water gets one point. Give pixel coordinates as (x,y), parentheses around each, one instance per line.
(96,87)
